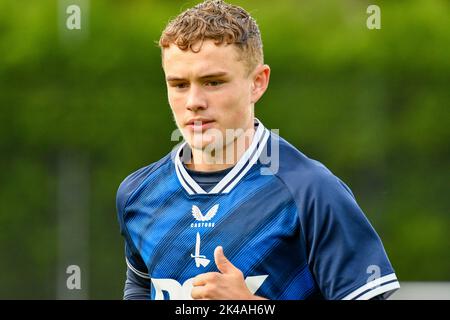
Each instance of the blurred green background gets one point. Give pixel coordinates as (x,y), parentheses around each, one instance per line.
(82,109)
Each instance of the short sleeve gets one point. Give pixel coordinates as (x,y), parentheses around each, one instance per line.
(345,254)
(133,258)
(135,262)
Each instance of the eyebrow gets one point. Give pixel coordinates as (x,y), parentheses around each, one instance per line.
(206,76)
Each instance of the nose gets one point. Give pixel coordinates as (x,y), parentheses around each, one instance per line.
(196,99)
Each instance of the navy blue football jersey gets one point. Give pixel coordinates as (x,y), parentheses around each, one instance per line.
(292,227)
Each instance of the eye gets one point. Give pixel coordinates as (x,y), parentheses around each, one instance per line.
(214,83)
(180,85)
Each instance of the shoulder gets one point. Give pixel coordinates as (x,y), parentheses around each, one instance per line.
(307,179)
(136,179)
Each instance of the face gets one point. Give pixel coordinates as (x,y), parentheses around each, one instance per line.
(210,91)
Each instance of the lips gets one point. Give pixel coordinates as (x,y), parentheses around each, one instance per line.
(200,124)
(199,120)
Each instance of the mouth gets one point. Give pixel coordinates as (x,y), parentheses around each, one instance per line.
(200,124)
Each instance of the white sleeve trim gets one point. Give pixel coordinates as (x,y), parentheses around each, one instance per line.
(139,273)
(376,287)
(385,288)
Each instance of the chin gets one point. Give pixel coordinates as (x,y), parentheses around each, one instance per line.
(199,145)
(205,143)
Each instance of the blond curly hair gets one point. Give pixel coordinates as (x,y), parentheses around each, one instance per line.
(218,21)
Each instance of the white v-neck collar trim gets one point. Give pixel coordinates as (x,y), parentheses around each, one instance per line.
(228,182)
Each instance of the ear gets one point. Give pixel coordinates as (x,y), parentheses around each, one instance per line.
(260,81)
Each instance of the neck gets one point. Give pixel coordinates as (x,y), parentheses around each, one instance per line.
(224,157)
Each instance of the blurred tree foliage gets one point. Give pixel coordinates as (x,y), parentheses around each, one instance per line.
(372,105)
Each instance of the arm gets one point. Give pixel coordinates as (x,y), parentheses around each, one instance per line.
(137,284)
(346,255)
(136,287)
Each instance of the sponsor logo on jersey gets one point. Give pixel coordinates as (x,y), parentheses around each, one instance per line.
(178,291)
(202,219)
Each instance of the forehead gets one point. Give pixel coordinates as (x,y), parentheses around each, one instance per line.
(210,58)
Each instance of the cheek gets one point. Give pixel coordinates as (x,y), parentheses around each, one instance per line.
(239,103)
(243,96)
(176,103)
(236,114)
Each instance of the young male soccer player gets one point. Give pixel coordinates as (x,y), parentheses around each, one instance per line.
(236,212)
